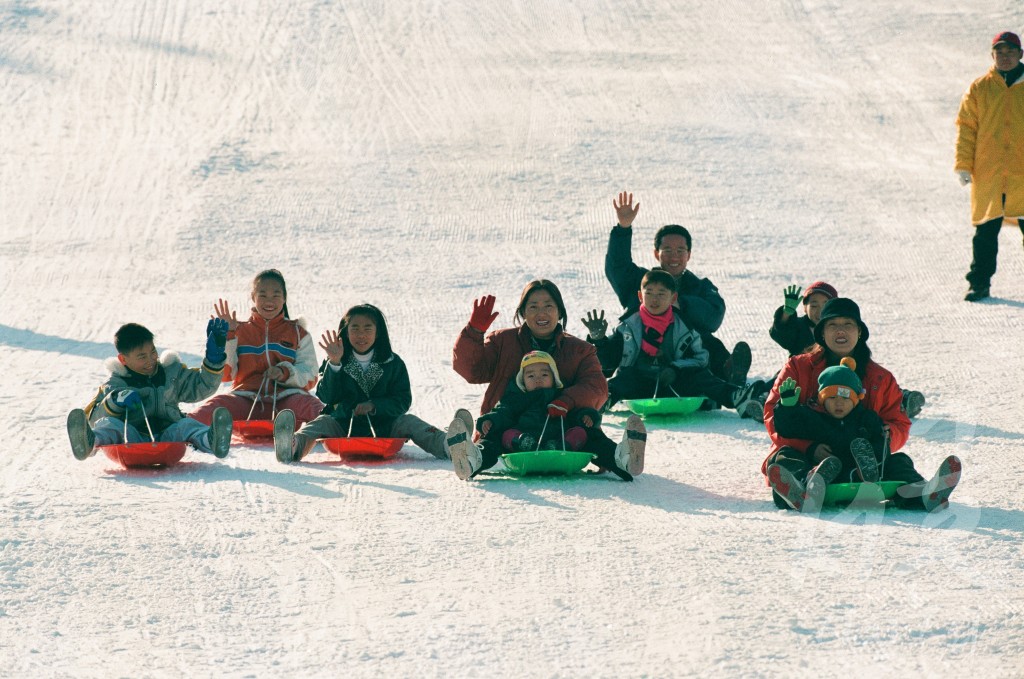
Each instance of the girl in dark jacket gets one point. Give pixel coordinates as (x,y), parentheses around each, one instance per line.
(365,387)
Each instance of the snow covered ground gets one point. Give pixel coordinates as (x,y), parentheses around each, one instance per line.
(155,155)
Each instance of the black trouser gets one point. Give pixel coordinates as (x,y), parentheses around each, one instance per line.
(635,382)
(718,355)
(897,467)
(985,247)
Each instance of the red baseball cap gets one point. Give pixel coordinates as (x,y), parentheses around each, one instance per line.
(1008,38)
(822,287)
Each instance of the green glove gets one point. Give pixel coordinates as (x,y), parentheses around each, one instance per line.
(792,294)
(789,393)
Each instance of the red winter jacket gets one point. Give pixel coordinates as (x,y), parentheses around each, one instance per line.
(257,344)
(496,360)
(882,395)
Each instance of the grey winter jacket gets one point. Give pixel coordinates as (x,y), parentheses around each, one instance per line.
(687,350)
(161,394)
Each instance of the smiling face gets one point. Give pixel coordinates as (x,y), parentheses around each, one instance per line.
(362,333)
(673,255)
(839,406)
(540,314)
(269,298)
(656,298)
(142,359)
(841,335)
(538,376)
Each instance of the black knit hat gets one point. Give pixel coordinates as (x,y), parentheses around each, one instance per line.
(840,307)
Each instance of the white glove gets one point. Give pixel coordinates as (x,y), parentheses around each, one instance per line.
(965,177)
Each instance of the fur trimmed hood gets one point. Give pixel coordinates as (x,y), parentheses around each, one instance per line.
(115,367)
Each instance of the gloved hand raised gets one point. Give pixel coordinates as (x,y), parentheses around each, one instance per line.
(964,176)
(558,409)
(596,325)
(126,399)
(789,393)
(792,294)
(216,339)
(483,313)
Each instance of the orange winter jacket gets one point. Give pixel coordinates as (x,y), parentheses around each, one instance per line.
(882,395)
(257,344)
(990,145)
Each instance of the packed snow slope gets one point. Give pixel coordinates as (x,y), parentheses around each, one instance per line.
(155,155)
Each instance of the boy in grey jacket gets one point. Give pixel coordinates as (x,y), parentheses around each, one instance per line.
(144,387)
(654,348)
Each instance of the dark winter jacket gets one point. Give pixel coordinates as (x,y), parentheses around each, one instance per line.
(386,384)
(795,335)
(495,360)
(528,411)
(699,303)
(172,384)
(816,425)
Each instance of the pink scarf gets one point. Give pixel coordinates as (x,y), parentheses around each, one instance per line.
(654,329)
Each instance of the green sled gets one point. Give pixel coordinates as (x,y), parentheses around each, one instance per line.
(546,462)
(845,493)
(674,405)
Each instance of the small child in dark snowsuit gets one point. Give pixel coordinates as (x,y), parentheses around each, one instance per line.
(848,438)
(520,419)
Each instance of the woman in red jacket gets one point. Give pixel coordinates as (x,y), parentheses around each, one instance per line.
(840,332)
(494,360)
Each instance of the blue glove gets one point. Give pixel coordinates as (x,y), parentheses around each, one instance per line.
(126,399)
(216,338)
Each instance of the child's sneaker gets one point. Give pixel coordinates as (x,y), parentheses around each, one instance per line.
(913,402)
(465,455)
(742,399)
(938,489)
(787,486)
(629,454)
(864,456)
(220,432)
(284,436)
(467,419)
(83,439)
(817,483)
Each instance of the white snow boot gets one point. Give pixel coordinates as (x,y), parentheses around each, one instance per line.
(629,454)
(465,455)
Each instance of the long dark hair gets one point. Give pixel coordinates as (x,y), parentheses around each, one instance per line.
(548,287)
(272,275)
(381,345)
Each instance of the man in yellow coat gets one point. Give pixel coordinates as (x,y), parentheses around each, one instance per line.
(990,156)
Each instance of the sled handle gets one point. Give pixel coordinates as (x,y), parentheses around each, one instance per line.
(370,422)
(543,429)
(885,453)
(148,428)
(273,410)
(350,421)
(259,393)
(657,383)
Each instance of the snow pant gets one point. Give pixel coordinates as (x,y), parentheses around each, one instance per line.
(427,437)
(898,467)
(575,438)
(718,356)
(111,431)
(632,382)
(985,249)
(305,406)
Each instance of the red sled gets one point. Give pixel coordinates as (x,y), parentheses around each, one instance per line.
(364,446)
(158,454)
(254,429)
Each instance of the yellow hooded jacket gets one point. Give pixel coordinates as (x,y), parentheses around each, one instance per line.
(990,145)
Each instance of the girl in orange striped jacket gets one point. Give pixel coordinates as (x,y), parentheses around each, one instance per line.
(271,357)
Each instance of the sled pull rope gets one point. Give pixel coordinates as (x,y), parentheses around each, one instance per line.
(148,428)
(370,422)
(542,430)
(885,453)
(259,393)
